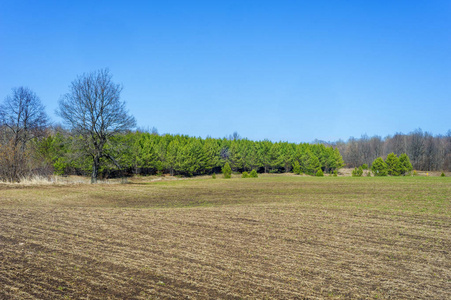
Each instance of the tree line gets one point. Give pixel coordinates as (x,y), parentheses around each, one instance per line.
(426,151)
(98,138)
(145,153)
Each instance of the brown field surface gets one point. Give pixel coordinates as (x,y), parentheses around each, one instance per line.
(273,237)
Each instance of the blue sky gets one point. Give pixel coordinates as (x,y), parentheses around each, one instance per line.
(280,70)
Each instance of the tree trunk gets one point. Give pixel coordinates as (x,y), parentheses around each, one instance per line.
(95,169)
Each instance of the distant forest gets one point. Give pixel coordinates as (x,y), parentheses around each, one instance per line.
(99,139)
(426,151)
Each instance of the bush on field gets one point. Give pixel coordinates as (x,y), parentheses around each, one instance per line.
(357,172)
(319,173)
(227,171)
(443,174)
(379,167)
(253,174)
(245,175)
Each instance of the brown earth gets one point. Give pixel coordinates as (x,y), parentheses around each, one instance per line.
(274,237)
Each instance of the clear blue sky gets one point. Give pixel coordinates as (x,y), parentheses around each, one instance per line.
(281,70)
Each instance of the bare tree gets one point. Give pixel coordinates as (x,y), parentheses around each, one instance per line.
(94,112)
(415,148)
(365,149)
(23,119)
(352,156)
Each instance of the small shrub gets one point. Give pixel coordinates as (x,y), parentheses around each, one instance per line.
(245,175)
(443,174)
(227,171)
(320,173)
(213,176)
(253,174)
(368,174)
(365,166)
(335,173)
(415,173)
(357,172)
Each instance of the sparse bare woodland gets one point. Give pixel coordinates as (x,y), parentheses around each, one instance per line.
(426,151)
(23,123)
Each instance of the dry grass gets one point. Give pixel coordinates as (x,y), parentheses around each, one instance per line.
(281,237)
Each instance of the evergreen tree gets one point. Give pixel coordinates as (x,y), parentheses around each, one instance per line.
(405,167)
(392,162)
(171,156)
(357,172)
(253,174)
(379,167)
(227,171)
(296,168)
(275,157)
(310,163)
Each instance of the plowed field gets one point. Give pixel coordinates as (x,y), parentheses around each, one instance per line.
(280,237)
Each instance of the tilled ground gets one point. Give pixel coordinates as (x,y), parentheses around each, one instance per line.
(292,249)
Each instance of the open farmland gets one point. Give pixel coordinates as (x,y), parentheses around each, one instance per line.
(281,237)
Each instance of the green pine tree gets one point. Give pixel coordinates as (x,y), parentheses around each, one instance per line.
(405,167)
(392,162)
(296,167)
(227,171)
(379,167)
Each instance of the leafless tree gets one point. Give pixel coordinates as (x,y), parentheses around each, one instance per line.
(23,119)
(365,150)
(416,148)
(94,113)
(447,151)
(351,155)
(376,146)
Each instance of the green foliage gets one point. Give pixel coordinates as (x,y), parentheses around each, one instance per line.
(379,167)
(296,167)
(245,175)
(320,173)
(144,153)
(227,170)
(253,174)
(357,172)
(443,174)
(365,166)
(310,163)
(393,167)
(368,174)
(415,173)
(213,176)
(405,167)
(335,173)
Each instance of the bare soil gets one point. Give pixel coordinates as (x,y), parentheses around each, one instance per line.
(274,237)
